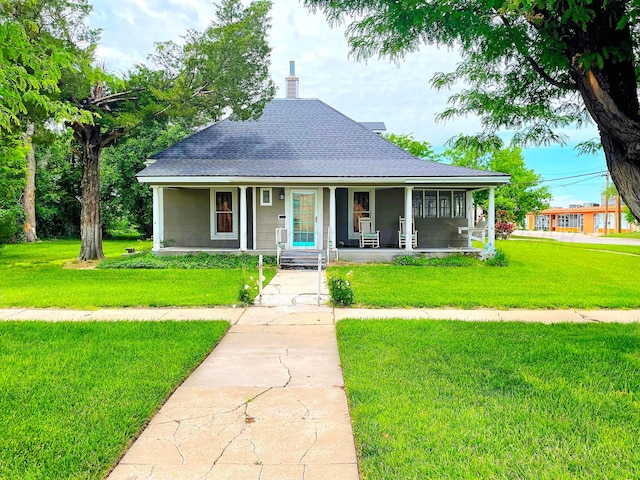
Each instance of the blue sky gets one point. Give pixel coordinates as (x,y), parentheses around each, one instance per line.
(378,90)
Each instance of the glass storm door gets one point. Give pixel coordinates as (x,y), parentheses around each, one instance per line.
(304,219)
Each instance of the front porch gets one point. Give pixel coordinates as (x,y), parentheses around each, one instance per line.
(283,217)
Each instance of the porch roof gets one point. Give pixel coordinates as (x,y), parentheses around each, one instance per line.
(298,138)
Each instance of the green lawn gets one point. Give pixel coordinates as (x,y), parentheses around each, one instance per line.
(539,275)
(75,394)
(443,400)
(33,275)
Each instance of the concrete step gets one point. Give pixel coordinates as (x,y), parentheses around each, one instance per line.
(302,259)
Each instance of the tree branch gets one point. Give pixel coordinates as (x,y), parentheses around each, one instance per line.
(536,66)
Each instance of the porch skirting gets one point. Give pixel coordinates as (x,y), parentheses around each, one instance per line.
(356,255)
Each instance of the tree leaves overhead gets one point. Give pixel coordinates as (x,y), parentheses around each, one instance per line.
(532,66)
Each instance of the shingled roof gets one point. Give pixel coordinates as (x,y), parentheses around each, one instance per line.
(296,138)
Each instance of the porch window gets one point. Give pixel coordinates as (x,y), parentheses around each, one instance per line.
(417,203)
(444,198)
(224,214)
(430,202)
(459,204)
(265,197)
(361,208)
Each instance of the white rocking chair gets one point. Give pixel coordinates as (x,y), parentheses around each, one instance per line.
(402,234)
(367,236)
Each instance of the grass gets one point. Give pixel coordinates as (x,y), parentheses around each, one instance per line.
(442,399)
(34,275)
(539,275)
(624,235)
(75,394)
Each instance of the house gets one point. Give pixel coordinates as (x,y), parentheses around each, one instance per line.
(300,177)
(586,218)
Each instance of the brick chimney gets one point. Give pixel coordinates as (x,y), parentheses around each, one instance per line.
(292,81)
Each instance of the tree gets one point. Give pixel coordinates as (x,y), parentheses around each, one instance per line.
(40,41)
(515,199)
(224,68)
(415,147)
(530,65)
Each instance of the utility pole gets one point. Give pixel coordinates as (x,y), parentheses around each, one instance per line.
(606,206)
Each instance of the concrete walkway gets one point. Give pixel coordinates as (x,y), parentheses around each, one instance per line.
(268,403)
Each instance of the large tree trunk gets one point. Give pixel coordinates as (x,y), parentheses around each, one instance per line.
(89,137)
(29,195)
(610,95)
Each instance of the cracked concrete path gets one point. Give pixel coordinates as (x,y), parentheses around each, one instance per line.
(268,403)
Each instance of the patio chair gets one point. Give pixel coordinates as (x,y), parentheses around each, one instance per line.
(402,234)
(367,236)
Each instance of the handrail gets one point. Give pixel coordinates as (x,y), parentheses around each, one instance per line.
(280,242)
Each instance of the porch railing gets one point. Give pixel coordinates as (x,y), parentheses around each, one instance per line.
(281,241)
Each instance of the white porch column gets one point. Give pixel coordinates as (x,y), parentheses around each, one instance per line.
(408,217)
(254,200)
(470,216)
(332,218)
(492,219)
(158,217)
(243,218)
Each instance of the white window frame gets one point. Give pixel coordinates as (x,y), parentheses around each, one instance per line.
(463,205)
(262,202)
(215,235)
(444,197)
(353,235)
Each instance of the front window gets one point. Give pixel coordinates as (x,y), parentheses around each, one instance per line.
(224,210)
(417,203)
(360,208)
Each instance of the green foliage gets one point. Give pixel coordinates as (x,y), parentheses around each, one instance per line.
(149,260)
(340,289)
(57,187)
(498,259)
(8,227)
(249,288)
(123,198)
(75,395)
(519,197)
(38,39)
(466,400)
(629,216)
(448,261)
(415,147)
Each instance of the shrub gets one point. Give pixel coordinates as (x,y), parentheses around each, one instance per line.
(340,290)
(504,230)
(8,227)
(407,260)
(498,259)
(448,261)
(200,261)
(248,290)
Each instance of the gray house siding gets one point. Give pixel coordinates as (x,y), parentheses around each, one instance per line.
(389,207)
(267,220)
(187,219)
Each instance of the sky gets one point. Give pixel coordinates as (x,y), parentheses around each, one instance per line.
(377,90)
